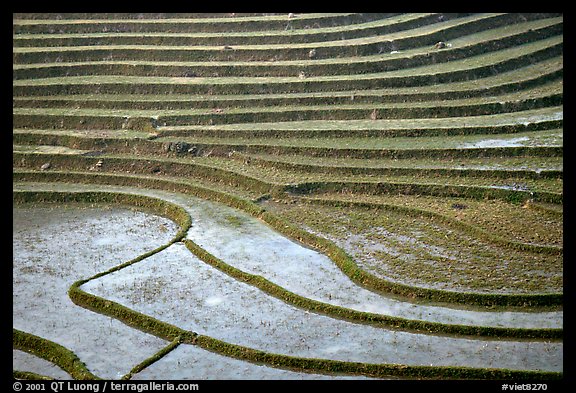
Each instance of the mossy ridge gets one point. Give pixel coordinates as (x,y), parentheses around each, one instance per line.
(421,76)
(432,189)
(531,75)
(384,25)
(537,128)
(48,16)
(329,65)
(397,169)
(26,375)
(175,24)
(258,182)
(124,314)
(153,359)
(149,166)
(312,122)
(175,334)
(548,84)
(453,25)
(128,141)
(251,171)
(154,182)
(366,369)
(363,46)
(378,320)
(52,352)
(508,164)
(358,111)
(509,59)
(380,285)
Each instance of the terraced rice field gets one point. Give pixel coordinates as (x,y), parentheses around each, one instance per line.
(288,196)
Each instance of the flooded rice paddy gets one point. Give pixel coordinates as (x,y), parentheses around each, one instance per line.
(54,246)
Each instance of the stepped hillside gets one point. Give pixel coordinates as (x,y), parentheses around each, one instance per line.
(421,154)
